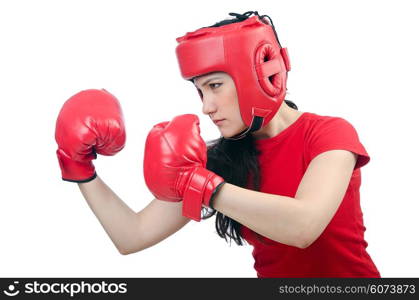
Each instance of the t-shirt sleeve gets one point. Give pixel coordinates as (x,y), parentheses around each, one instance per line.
(335,134)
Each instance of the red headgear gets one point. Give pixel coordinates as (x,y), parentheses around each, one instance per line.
(250,53)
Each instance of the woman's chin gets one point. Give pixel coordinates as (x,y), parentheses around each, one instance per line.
(225,133)
(230,133)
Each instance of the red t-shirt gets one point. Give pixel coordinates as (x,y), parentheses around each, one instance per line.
(340,251)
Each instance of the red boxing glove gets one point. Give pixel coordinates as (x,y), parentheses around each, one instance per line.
(175,157)
(89,122)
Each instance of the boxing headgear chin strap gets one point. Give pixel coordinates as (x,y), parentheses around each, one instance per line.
(249,51)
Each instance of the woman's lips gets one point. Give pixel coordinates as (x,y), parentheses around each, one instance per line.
(218,122)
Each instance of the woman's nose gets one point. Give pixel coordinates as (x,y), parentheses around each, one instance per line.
(208,105)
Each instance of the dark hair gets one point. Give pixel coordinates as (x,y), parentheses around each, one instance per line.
(236,161)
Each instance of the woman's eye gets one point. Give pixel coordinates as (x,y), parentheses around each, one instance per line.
(215,85)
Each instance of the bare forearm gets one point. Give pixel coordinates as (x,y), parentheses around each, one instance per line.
(118,220)
(277,217)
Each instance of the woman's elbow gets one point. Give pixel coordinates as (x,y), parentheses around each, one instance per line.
(306,238)
(297,239)
(123,251)
(301,243)
(304,244)
(126,251)
(302,235)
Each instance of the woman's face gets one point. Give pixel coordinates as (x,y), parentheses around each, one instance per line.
(220,102)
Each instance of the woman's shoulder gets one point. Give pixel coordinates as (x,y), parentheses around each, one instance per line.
(321,118)
(332,133)
(322,127)
(318,121)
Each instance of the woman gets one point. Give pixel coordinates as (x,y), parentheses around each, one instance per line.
(283,180)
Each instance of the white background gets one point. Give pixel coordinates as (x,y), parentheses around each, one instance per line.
(352,59)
